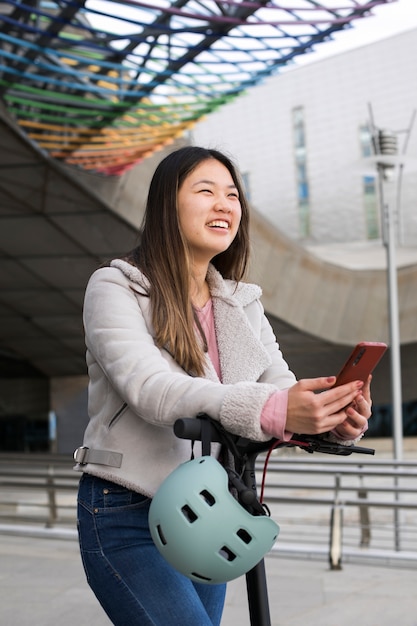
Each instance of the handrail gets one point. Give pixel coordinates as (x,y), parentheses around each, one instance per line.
(354,469)
(366,486)
(22,475)
(296,457)
(34,458)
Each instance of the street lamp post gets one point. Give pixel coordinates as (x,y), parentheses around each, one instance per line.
(389,241)
(385,147)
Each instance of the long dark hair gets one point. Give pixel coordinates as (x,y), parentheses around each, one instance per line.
(164,258)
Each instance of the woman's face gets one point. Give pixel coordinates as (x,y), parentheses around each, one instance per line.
(209,210)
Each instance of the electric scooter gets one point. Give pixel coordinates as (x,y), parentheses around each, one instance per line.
(243,480)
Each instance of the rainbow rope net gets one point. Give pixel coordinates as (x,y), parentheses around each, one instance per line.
(101,85)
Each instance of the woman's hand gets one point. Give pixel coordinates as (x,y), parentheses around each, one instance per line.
(315,406)
(357,414)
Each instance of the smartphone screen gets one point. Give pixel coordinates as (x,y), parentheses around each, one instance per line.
(362,361)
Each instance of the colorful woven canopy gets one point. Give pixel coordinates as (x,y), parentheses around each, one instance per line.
(103,84)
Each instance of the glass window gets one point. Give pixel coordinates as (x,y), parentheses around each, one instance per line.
(371,207)
(365,141)
(246,185)
(300,157)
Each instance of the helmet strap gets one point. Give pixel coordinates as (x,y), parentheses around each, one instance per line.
(205,435)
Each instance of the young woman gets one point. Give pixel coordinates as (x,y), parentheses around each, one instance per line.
(172,331)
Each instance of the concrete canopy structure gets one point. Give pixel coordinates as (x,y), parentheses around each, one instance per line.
(102,85)
(72,189)
(54,232)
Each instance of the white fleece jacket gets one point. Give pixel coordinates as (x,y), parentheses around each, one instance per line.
(137,390)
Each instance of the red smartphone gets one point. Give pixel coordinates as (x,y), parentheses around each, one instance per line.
(362,361)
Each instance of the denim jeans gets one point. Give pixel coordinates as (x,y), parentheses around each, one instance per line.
(132,581)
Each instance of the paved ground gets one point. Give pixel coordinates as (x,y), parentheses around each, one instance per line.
(42,584)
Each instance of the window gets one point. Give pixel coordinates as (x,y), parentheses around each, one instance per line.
(369,191)
(365,139)
(246,185)
(300,153)
(371,207)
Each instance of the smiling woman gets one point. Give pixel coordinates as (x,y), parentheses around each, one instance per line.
(172,331)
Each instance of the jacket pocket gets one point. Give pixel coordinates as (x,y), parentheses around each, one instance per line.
(117,415)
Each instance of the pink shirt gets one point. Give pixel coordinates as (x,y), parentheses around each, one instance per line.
(274,413)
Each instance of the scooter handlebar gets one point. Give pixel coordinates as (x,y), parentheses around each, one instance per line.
(191,428)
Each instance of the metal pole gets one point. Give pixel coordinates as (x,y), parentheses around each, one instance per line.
(336,529)
(394,332)
(257,591)
(256,583)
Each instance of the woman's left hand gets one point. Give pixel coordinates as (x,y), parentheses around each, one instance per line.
(357,415)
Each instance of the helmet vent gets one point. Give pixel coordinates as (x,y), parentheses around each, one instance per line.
(188,513)
(201,577)
(208,497)
(161,535)
(227,554)
(244,535)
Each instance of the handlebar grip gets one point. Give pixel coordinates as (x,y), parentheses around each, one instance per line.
(190,428)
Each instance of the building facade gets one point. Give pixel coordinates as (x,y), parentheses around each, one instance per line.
(303,142)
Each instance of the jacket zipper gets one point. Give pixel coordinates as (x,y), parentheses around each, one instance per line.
(117,414)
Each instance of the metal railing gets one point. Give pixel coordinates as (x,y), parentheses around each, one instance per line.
(38,489)
(339,508)
(342,507)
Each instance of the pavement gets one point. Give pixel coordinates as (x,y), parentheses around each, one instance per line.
(42,584)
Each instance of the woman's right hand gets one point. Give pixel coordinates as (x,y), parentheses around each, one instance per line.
(315,406)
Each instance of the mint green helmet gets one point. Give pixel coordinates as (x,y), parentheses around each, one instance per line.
(202,530)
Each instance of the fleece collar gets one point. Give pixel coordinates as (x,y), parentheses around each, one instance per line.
(242,355)
(234,293)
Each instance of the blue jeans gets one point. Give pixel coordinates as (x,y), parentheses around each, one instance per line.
(132,581)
